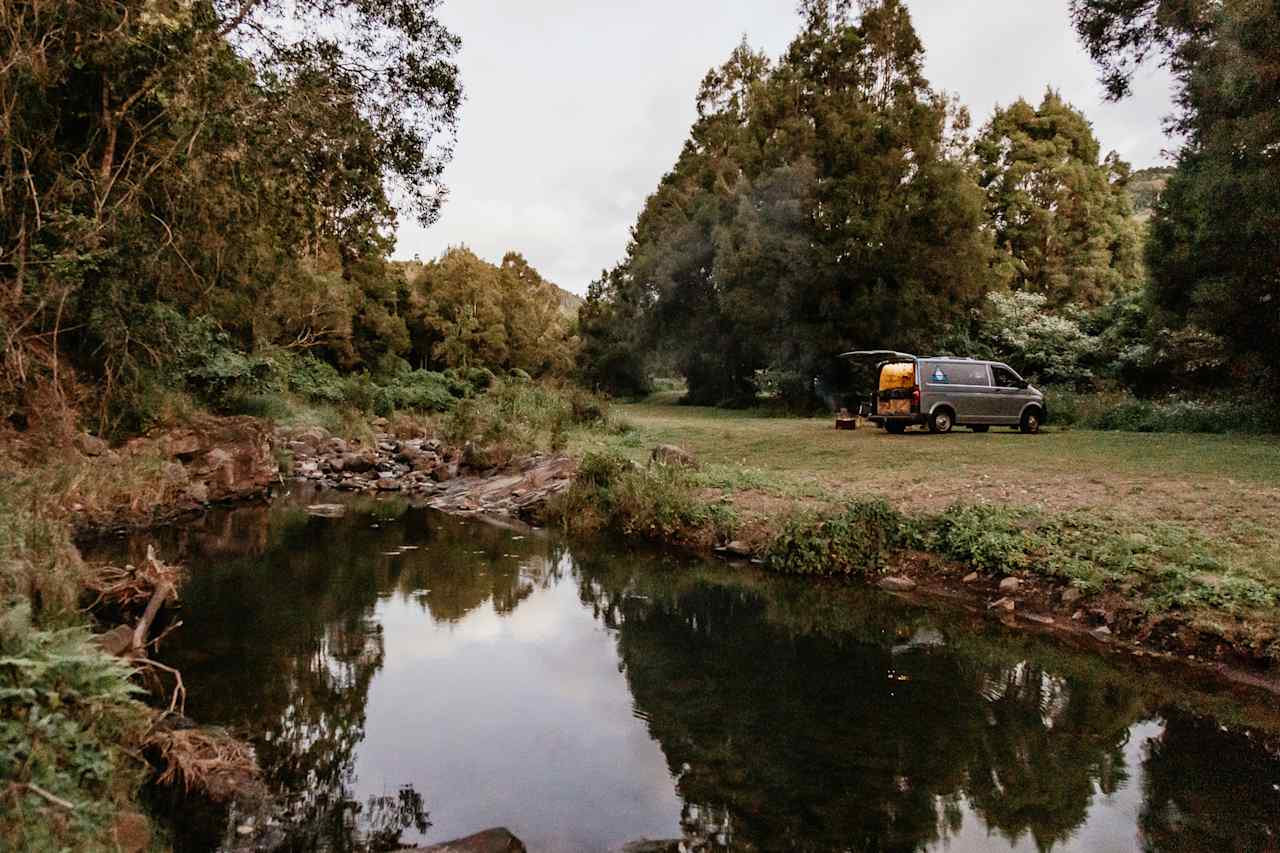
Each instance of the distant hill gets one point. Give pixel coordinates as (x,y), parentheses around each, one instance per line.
(569,302)
(1145,186)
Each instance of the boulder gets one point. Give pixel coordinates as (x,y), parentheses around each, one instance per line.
(357,462)
(1010,585)
(669,454)
(897,583)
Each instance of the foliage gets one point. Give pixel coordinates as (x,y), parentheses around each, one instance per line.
(1049,346)
(817,205)
(1214,250)
(661,502)
(986,537)
(464,312)
(231,162)
(853,542)
(67,717)
(1062,219)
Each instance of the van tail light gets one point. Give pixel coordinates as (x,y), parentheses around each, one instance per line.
(915,398)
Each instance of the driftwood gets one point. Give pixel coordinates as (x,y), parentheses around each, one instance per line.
(156,583)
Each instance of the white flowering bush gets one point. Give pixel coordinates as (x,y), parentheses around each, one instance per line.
(1049,345)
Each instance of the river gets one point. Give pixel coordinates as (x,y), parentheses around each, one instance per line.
(410,676)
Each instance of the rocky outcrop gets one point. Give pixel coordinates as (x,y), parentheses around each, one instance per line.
(447,478)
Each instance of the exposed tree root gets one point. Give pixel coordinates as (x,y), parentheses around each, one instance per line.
(208,760)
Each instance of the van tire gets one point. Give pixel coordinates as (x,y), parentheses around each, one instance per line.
(895,427)
(980,428)
(941,421)
(1031,421)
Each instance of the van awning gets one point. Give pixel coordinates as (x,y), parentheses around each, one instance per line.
(877,353)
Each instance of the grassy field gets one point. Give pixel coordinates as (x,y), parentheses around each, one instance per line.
(1188,520)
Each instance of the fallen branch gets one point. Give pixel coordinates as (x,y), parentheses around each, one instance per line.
(57,801)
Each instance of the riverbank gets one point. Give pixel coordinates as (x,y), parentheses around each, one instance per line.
(1159,544)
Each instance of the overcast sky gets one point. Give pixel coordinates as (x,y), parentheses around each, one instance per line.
(575,110)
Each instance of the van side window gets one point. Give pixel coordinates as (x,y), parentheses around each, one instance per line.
(1005,378)
(965,374)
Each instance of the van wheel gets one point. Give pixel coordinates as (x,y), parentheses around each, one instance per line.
(1031,422)
(941,421)
(895,427)
(980,428)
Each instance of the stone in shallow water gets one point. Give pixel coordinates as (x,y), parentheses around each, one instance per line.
(896,583)
(327,510)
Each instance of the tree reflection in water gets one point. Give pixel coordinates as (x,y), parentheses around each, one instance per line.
(791,716)
(292,662)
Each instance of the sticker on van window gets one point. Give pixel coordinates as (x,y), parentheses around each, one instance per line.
(938,375)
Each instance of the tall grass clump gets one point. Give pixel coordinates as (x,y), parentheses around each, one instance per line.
(854,542)
(662,502)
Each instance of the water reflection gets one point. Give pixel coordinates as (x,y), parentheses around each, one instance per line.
(409,677)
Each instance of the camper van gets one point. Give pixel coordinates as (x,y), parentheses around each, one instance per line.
(943,391)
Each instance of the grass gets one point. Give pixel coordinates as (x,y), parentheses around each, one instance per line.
(1173,523)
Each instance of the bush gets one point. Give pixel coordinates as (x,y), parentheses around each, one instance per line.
(989,538)
(67,715)
(1176,415)
(854,542)
(611,492)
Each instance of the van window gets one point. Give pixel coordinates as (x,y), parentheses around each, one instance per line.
(953,373)
(1005,378)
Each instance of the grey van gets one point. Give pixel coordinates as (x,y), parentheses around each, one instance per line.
(944,391)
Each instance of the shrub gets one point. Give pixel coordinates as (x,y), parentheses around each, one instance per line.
(986,537)
(611,492)
(854,542)
(315,380)
(67,716)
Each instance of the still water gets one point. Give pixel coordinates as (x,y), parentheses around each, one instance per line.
(410,676)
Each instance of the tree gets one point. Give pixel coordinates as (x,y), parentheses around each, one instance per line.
(466,312)
(1214,253)
(815,207)
(1062,218)
(207,156)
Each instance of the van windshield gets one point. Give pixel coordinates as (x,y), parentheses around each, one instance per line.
(956,373)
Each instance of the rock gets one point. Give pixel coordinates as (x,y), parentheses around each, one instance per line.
(357,463)
(897,583)
(388,485)
(443,473)
(1005,604)
(91,445)
(327,510)
(498,840)
(669,454)
(1103,631)
(972,577)
(737,548)
(198,492)
(1010,585)
(1037,617)
(1071,595)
